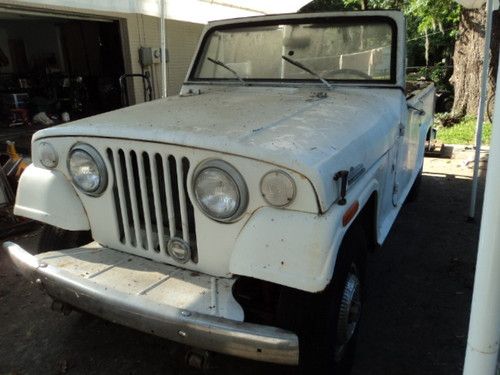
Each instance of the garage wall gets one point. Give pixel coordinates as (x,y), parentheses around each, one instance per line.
(140,30)
(182,40)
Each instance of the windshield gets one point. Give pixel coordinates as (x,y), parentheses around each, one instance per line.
(339,51)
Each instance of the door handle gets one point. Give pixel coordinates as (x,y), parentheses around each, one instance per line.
(342,176)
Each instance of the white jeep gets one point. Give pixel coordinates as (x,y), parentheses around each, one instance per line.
(236,216)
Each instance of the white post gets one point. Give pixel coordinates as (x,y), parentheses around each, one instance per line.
(484,327)
(480,112)
(163,50)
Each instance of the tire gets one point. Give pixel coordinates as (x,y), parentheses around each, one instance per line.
(327,343)
(415,188)
(53,238)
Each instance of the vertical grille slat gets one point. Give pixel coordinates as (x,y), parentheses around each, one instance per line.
(182,201)
(170,201)
(145,201)
(174,187)
(121,197)
(151,201)
(190,211)
(133,200)
(157,202)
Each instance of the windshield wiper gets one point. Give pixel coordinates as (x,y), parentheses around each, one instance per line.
(220,63)
(303,67)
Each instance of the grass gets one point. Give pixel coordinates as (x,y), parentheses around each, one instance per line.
(463,132)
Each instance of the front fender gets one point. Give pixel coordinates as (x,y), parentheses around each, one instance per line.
(47,196)
(285,247)
(299,249)
(292,248)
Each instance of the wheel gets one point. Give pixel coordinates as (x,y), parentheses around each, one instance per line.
(53,238)
(415,188)
(328,323)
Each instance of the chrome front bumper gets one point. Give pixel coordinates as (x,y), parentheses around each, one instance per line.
(181,321)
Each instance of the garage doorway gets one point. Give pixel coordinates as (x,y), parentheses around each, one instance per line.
(55,68)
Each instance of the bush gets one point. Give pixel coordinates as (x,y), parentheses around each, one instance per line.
(439,74)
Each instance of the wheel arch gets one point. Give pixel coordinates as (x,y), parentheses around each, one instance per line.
(367,218)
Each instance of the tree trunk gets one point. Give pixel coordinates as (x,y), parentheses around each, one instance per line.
(468,60)
(495,50)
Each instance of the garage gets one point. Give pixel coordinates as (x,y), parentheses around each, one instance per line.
(55,68)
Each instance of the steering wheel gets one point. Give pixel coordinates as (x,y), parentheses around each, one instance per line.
(359,73)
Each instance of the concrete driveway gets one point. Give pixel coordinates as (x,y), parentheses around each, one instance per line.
(415,317)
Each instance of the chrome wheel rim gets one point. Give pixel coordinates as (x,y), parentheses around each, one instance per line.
(349,312)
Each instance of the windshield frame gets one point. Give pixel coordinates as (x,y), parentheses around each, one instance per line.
(334,20)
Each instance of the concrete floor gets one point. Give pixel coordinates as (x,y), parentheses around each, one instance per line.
(420,283)
(415,317)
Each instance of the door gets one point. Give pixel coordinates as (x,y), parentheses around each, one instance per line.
(408,151)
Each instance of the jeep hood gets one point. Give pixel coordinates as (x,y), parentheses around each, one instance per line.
(294,128)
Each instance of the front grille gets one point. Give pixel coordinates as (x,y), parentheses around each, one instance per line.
(151,200)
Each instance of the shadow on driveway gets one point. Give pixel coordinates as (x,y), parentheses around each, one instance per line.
(415,319)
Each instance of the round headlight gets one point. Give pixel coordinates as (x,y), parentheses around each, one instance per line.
(278,188)
(220,190)
(87,169)
(48,155)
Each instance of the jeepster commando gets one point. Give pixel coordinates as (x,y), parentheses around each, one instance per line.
(236,216)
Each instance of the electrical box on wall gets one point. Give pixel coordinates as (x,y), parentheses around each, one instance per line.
(149,56)
(157,55)
(146,56)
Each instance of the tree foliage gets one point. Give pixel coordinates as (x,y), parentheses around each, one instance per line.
(440,34)
(431,14)
(326,6)
(432,24)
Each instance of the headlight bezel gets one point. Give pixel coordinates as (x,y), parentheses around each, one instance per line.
(237,178)
(100,164)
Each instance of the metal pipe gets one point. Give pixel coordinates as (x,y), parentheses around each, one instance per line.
(484,327)
(480,110)
(163,50)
